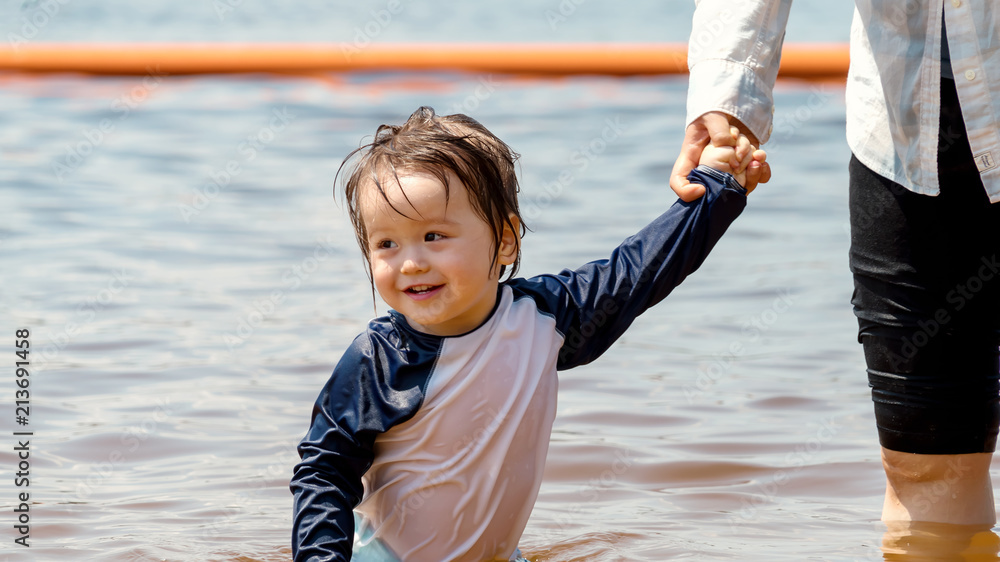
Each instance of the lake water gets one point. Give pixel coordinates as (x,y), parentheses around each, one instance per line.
(188,279)
(383,20)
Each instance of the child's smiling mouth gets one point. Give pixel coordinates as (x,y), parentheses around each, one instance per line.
(420,292)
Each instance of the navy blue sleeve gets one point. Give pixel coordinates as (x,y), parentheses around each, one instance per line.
(377,384)
(595,304)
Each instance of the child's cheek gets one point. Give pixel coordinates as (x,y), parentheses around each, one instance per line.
(381,272)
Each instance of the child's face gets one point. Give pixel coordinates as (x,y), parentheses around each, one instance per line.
(434,265)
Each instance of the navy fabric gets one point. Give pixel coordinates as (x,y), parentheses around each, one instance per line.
(596,303)
(382,378)
(380,382)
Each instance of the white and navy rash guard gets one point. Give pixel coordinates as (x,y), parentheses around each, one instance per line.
(435,446)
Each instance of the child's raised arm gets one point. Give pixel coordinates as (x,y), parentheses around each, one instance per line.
(594,304)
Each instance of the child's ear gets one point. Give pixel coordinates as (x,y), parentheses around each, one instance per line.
(510,241)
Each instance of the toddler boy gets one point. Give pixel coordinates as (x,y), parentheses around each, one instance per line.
(429,440)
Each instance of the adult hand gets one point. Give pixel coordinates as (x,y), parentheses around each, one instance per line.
(712,127)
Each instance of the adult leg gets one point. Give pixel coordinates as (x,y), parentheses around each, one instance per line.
(926,299)
(938,488)
(937,423)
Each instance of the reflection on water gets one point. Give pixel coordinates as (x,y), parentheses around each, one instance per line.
(910,541)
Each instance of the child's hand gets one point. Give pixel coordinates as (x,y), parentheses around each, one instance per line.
(733,160)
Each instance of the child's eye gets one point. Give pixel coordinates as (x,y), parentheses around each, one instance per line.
(433,236)
(385,244)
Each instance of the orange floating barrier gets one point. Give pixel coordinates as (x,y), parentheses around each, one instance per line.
(808,61)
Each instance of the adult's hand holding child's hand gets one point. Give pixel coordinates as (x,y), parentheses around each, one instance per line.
(735,159)
(712,128)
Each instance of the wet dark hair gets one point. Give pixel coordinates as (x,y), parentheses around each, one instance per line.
(437,144)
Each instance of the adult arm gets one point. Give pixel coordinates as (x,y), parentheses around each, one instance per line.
(733,56)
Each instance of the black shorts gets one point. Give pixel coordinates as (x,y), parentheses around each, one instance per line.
(927,297)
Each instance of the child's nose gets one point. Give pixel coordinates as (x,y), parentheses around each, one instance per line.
(414,262)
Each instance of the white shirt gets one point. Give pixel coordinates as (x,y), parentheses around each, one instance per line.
(893,87)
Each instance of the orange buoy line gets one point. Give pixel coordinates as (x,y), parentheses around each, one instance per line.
(810,61)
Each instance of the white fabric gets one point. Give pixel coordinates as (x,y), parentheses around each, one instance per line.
(893,89)
(492,399)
